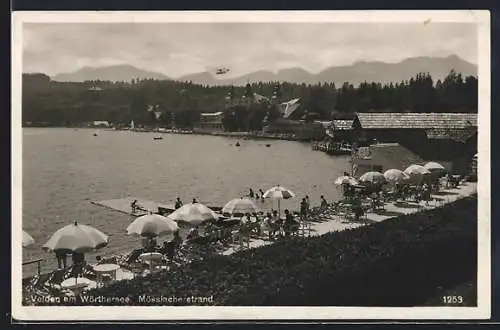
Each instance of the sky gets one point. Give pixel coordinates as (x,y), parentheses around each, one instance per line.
(176,49)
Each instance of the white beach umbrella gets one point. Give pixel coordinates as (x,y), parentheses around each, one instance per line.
(416,169)
(372,177)
(278,192)
(193,214)
(346,180)
(240,206)
(416,173)
(434,167)
(76,238)
(73,283)
(396,176)
(27,239)
(152,225)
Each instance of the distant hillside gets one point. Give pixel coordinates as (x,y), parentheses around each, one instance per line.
(113,73)
(355,74)
(437,67)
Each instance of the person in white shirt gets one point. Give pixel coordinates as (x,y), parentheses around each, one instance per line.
(193,233)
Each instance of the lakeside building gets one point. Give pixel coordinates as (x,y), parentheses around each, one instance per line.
(340,130)
(248,98)
(381,157)
(100,123)
(449,138)
(293,121)
(210,122)
(301,129)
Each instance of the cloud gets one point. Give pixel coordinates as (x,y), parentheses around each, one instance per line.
(176,49)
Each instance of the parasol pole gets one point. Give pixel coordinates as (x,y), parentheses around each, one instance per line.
(279,209)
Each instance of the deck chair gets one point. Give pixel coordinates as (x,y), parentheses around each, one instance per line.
(56,277)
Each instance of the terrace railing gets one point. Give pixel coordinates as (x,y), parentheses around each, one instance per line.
(37,261)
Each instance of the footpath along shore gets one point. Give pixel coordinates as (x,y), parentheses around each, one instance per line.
(333,222)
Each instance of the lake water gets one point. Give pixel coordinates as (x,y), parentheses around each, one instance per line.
(64,169)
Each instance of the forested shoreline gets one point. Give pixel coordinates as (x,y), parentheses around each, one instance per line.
(71,104)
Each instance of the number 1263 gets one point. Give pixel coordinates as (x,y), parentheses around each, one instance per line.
(452,299)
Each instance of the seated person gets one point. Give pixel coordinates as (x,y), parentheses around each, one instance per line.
(78,263)
(150,245)
(134,255)
(290,224)
(168,249)
(246,218)
(78,258)
(178,203)
(193,233)
(133,205)
(277,220)
(177,239)
(324,203)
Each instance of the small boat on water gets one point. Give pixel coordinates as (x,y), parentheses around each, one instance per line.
(159,137)
(268,145)
(237,144)
(95,134)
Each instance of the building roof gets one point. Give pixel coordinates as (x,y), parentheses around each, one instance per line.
(342,124)
(289,107)
(389,151)
(325,124)
(259,97)
(417,120)
(456,134)
(210,114)
(396,151)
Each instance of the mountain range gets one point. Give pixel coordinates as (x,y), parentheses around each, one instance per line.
(371,71)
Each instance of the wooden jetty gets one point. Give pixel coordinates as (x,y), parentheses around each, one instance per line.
(144,206)
(333,149)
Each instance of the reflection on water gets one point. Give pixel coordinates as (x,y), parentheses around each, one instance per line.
(63,169)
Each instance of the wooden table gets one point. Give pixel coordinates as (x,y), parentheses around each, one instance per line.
(151,257)
(106,269)
(77,284)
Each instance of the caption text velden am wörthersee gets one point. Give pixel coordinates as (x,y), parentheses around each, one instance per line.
(147,300)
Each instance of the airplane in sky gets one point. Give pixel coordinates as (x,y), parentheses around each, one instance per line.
(220,71)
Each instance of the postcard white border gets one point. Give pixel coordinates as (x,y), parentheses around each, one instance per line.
(128,313)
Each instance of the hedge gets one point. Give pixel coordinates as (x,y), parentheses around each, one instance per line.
(402,261)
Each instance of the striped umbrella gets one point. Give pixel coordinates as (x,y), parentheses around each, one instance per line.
(240,206)
(152,225)
(27,239)
(278,192)
(193,214)
(372,177)
(396,176)
(76,238)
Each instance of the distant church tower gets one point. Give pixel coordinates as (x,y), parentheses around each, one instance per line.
(275,104)
(248,96)
(230,97)
(276,98)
